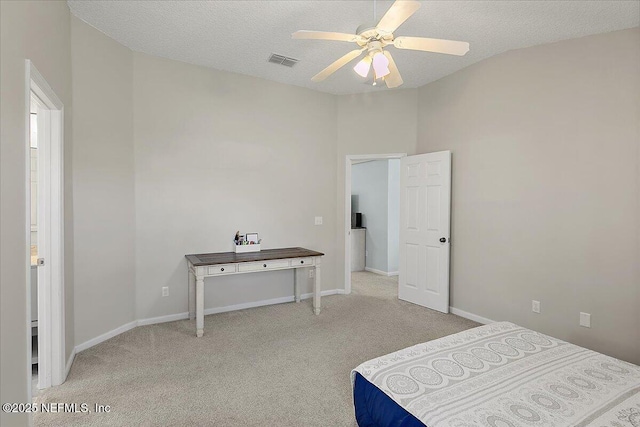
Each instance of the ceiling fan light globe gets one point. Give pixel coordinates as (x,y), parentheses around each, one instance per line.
(380,65)
(383,72)
(363,67)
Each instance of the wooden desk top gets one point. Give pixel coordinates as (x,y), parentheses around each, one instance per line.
(264,255)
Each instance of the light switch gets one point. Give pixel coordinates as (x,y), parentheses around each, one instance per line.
(585,320)
(535,306)
(318,220)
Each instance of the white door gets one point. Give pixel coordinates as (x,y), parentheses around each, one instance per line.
(425,207)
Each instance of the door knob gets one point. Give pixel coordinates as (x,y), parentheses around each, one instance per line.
(442,240)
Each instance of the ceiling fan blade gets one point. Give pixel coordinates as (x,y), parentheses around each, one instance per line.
(337,65)
(449,47)
(322,35)
(399,12)
(393,79)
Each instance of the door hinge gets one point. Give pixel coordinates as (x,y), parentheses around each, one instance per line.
(40,261)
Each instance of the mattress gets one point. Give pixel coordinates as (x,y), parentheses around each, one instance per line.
(496,375)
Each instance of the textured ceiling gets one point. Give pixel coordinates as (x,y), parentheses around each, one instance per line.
(239,36)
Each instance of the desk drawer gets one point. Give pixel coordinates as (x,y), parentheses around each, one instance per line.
(221,269)
(263,265)
(302,262)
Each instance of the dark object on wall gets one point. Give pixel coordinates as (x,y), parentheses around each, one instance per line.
(356,220)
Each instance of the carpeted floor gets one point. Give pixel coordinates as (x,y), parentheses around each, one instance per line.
(276,365)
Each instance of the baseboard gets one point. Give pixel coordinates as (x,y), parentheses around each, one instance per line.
(470,316)
(331,292)
(380,272)
(281,300)
(245,305)
(97,340)
(72,356)
(163,319)
(181,316)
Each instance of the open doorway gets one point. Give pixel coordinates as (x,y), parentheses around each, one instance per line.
(372,195)
(424,227)
(33,241)
(45,231)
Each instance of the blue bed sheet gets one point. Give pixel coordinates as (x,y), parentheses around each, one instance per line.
(375,409)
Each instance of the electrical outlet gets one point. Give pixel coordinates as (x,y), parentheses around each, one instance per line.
(585,320)
(535,306)
(311,273)
(165,291)
(318,220)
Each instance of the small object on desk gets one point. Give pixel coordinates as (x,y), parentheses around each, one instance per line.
(248,243)
(244,248)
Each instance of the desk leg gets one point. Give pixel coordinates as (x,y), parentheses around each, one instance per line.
(296,288)
(199,306)
(316,289)
(192,294)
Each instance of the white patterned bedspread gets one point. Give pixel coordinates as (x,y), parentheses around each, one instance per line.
(504,375)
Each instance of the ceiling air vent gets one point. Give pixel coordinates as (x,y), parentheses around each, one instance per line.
(283,60)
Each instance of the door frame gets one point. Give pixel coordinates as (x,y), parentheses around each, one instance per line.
(51,310)
(349,161)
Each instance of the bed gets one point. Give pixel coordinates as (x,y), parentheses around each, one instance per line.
(496,375)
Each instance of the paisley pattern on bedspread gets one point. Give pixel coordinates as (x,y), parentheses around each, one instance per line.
(505,375)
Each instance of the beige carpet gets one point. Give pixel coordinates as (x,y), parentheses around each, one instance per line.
(277,365)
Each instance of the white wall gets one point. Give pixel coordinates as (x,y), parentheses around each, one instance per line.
(546,186)
(217,152)
(375,189)
(369,185)
(38,31)
(103,182)
(33,154)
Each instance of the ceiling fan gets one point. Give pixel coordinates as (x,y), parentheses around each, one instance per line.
(374,38)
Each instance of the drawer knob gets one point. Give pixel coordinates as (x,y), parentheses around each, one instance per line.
(264,265)
(222,269)
(301,262)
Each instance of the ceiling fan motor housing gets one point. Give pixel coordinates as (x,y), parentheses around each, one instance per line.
(373,47)
(370,32)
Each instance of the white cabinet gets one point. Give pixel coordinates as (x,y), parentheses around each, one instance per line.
(358,247)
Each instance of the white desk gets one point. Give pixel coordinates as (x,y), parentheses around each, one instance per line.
(226,263)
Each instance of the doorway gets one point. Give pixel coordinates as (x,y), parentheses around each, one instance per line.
(424,224)
(45,232)
(371,235)
(33,241)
